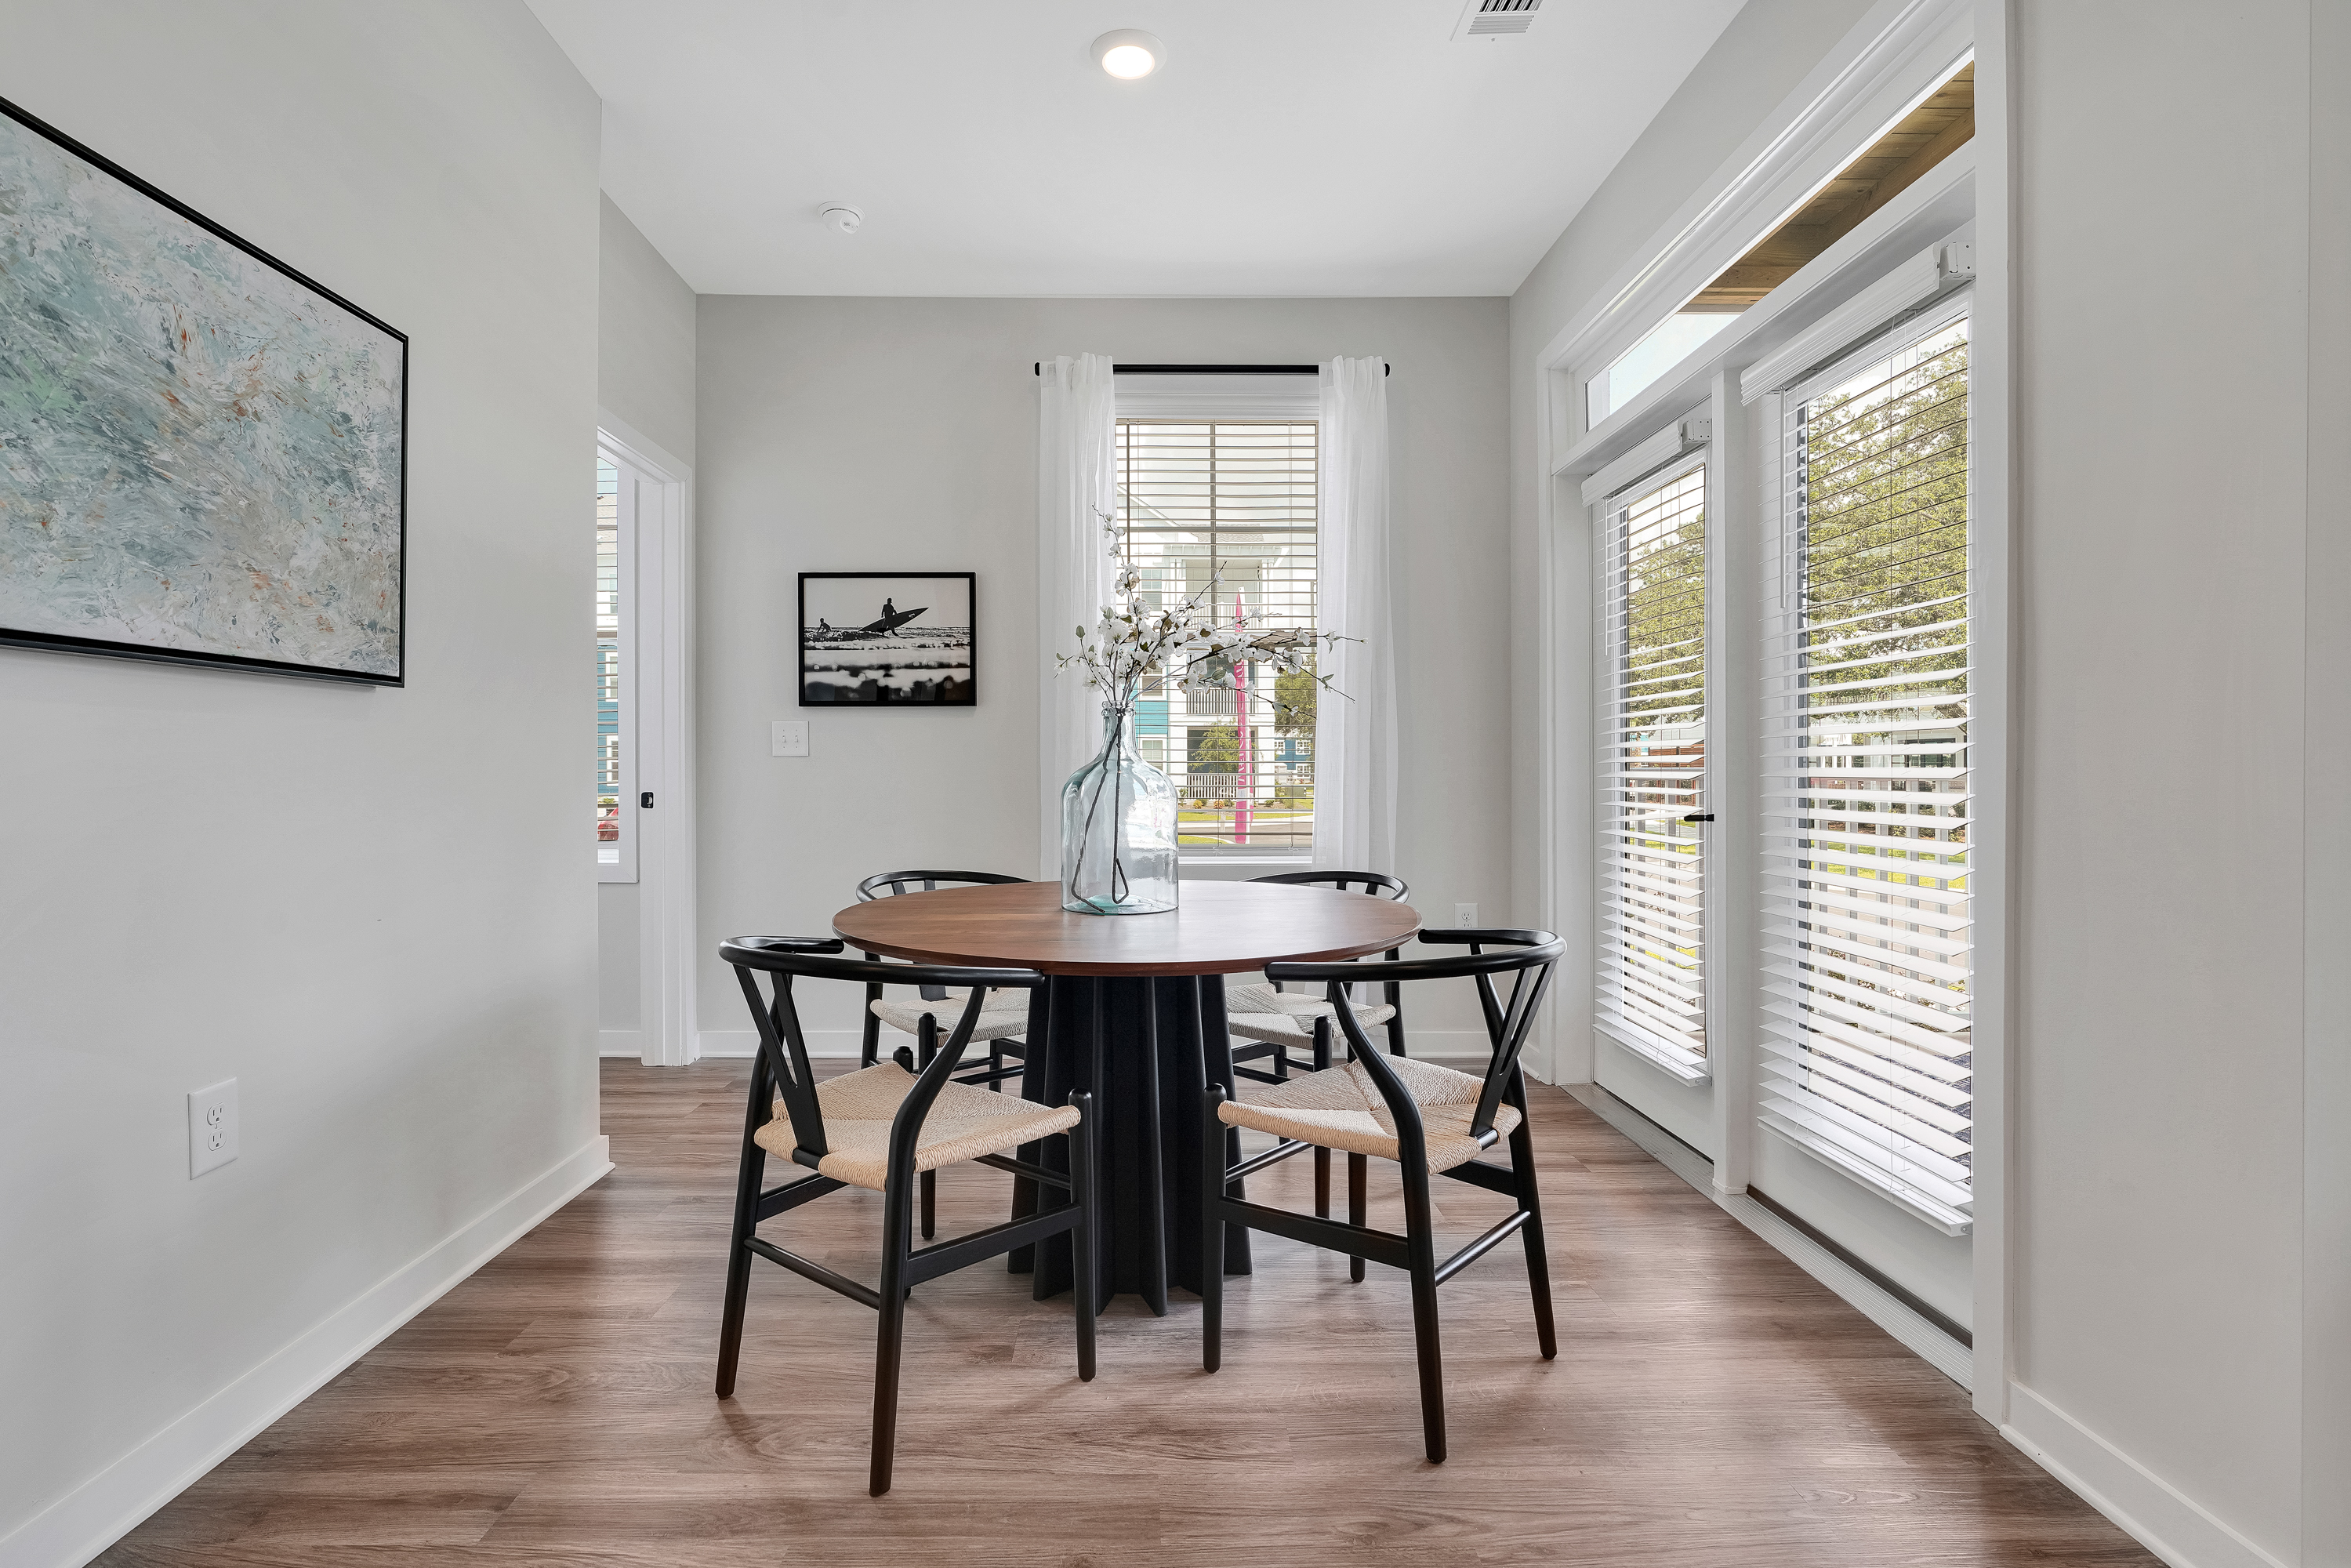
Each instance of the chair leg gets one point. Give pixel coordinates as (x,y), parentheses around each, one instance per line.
(1359,1178)
(1522,1170)
(1212,1228)
(1323,1156)
(1420,1231)
(929,1040)
(738,1257)
(996,1065)
(1083,1281)
(890,1334)
(870,1041)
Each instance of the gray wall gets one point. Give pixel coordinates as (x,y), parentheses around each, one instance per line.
(2326,841)
(644,335)
(645,378)
(849,433)
(2164,491)
(369,906)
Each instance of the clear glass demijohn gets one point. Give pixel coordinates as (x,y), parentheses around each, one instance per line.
(1118,831)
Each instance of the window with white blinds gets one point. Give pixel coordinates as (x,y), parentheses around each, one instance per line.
(1652,915)
(1232,499)
(1865,842)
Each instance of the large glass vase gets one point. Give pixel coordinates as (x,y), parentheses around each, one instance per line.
(1118,831)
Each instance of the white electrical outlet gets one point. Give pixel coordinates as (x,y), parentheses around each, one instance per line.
(788,737)
(1465,915)
(212,1127)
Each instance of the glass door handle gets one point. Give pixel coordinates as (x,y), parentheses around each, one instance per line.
(1700,817)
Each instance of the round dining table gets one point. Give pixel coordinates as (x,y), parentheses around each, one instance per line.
(1133,1010)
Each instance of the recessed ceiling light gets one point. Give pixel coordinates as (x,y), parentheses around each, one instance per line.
(1130,53)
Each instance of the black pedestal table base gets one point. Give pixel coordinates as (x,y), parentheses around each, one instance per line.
(1144,1048)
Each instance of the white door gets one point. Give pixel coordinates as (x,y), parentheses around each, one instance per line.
(1653,962)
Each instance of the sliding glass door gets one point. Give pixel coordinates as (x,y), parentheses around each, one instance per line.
(1866,675)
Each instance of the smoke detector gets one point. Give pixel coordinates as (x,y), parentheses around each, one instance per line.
(1496,18)
(841,216)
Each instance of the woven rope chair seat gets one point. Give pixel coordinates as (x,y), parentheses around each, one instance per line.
(1341,1108)
(963,1124)
(1292,1024)
(1297,1004)
(996,1023)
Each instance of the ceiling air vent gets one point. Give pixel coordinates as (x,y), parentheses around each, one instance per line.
(1497,18)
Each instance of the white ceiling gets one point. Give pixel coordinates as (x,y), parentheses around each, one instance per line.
(1286,147)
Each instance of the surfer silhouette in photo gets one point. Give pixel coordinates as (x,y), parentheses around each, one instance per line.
(888,609)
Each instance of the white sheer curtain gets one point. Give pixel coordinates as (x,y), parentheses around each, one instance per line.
(1355,734)
(1077,484)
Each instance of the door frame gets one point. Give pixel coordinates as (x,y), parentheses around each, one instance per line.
(1895,47)
(664,689)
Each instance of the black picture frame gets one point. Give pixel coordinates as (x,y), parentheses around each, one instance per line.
(829,653)
(23,637)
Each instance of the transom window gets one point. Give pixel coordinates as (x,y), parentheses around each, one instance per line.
(1930,131)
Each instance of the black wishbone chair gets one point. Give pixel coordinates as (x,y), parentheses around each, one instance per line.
(999,1020)
(1428,1119)
(877,1128)
(1000,1017)
(1276,1022)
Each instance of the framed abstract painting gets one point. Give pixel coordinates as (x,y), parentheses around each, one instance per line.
(203,452)
(899,639)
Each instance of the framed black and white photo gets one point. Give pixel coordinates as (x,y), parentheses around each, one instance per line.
(895,639)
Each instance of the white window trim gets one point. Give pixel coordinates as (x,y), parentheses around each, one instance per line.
(1976,182)
(1895,54)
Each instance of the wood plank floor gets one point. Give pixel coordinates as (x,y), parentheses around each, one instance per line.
(1710,1403)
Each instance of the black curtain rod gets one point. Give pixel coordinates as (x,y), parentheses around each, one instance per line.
(1038,369)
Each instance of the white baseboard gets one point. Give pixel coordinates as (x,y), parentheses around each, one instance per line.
(1424,1045)
(2151,1509)
(108,1505)
(1912,1329)
(621,1043)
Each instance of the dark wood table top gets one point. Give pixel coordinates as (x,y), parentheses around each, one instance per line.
(1221,928)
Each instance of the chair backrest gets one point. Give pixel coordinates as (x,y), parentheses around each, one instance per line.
(892,884)
(783,1046)
(887,884)
(1529,955)
(1375,883)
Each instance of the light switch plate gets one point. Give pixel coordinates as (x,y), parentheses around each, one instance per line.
(212,1127)
(788,737)
(1465,915)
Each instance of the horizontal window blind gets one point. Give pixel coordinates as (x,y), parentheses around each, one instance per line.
(1652,914)
(1234,499)
(1864,840)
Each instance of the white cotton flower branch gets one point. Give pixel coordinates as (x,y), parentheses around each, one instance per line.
(1134,650)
